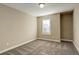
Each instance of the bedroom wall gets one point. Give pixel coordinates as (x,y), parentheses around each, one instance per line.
(55,28)
(16,28)
(76,27)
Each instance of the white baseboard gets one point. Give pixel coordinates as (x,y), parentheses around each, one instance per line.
(67,40)
(76,46)
(16,46)
(49,39)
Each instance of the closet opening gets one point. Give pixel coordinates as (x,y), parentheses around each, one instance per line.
(66,26)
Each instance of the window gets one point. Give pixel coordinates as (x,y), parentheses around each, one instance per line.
(46,26)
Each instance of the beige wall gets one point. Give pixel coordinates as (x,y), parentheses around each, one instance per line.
(55,28)
(15,28)
(76,27)
(66,27)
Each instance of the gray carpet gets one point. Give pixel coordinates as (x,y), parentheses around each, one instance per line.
(42,47)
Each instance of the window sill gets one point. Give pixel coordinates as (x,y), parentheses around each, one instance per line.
(46,34)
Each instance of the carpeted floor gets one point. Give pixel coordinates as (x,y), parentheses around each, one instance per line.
(42,47)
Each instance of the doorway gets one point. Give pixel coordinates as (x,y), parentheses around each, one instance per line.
(66,26)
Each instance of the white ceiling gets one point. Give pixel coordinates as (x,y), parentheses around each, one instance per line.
(35,10)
